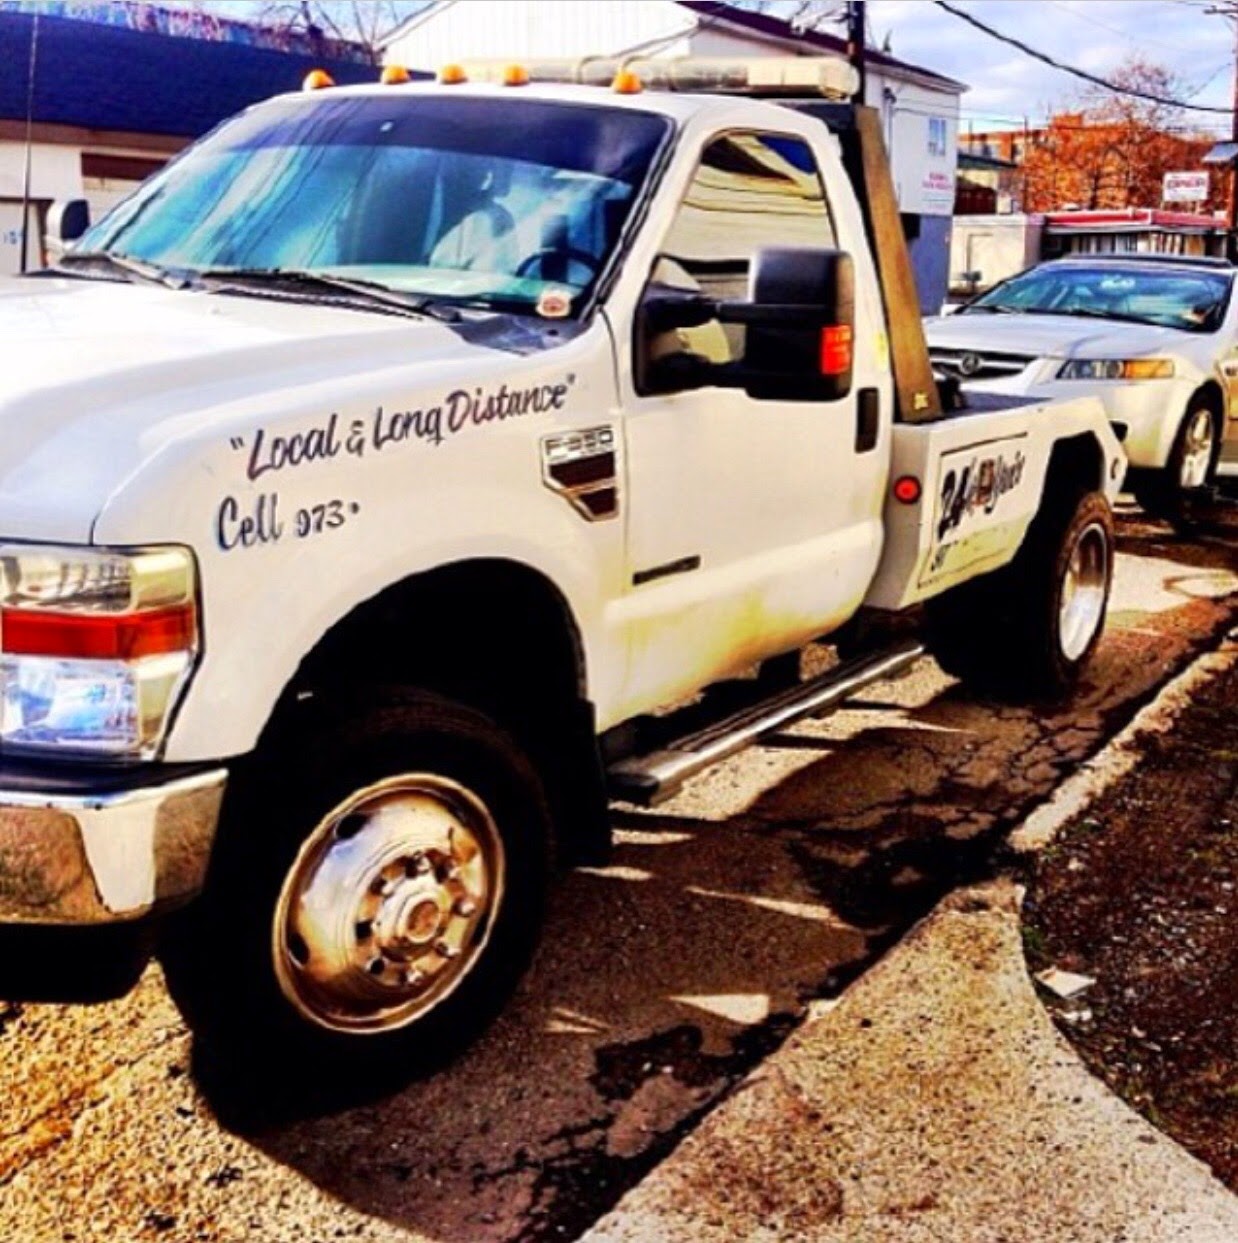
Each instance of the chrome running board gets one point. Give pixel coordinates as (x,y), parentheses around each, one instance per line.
(651,779)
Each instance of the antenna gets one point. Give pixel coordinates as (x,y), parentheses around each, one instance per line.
(25,189)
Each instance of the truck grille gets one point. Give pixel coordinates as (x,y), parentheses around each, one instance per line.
(974,365)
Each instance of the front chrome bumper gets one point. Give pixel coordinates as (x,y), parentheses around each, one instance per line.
(83,859)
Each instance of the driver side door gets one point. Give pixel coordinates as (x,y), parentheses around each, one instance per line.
(753,525)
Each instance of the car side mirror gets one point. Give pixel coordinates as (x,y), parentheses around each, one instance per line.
(67,220)
(799,322)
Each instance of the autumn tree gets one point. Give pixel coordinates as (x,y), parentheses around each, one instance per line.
(1112,150)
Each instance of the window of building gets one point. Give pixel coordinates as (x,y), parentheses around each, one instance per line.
(938,141)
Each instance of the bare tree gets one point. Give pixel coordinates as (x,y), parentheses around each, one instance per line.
(365,22)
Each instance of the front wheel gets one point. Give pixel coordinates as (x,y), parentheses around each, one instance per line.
(1027,631)
(376,893)
(1175,492)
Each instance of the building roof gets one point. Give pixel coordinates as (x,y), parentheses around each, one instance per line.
(765,25)
(976,160)
(107,77)
(1132,220)
(773,27)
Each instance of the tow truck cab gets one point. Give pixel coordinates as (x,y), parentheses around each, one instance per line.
(418,442)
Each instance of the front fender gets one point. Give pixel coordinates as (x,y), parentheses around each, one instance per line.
(286,551)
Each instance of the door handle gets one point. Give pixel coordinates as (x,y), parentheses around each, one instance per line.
(867,419)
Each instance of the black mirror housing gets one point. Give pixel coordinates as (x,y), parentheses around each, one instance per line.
(68,219)
(799,324)
(802,349)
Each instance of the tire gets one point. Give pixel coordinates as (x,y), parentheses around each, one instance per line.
(1175,493)
(1027,631)
(376,892)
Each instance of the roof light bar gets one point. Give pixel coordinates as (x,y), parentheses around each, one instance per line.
(828,76)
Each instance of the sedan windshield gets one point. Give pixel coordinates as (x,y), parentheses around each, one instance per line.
(1169,297)
(480,201)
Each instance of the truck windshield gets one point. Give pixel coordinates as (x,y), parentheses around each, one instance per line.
(1168,297)
(476,200)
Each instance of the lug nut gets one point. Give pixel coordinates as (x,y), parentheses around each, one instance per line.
(382,887)
(466,907)
(443,950)
(413,978)
(417,864)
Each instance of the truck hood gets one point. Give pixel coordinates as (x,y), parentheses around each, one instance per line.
(96,375)
(1050,336)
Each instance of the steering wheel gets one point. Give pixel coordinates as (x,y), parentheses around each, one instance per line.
(569,255)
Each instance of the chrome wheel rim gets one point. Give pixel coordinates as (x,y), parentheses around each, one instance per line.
(389,904)
(1082,607)
(1197,451)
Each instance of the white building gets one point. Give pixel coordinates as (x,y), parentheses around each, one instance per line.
(920,107)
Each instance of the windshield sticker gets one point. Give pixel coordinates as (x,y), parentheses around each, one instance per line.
(264,519)
(554,303)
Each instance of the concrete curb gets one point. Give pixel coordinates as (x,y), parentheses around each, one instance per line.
(935,1102)
(1121,753)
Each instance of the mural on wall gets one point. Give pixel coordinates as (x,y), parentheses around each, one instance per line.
(191,24)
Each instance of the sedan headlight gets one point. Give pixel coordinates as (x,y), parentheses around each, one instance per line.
(1117,369)
(96,647)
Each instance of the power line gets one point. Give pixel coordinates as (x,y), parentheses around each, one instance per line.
(1078,73)
(1082,15)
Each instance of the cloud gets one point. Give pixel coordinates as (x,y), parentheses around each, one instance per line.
(1096,35)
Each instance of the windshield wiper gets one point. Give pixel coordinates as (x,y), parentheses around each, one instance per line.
(125,266)
(994,308)
(1083,312)
(372,293)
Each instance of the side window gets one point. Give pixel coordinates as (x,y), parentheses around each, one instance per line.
(750,191)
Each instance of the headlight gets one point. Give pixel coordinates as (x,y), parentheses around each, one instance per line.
(95,647)
(1117,369)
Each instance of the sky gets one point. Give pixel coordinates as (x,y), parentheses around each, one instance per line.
(1096,35)
(1006,85)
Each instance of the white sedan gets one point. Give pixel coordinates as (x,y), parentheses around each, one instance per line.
(1155,338)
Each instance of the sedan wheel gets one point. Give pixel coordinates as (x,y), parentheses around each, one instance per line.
(1199,442)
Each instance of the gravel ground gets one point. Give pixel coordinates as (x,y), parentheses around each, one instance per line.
(1141,894)
(664,978)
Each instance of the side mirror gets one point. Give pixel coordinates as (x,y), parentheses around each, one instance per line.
(67,220)
(799,325)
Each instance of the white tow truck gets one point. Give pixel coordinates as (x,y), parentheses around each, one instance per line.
(373,474)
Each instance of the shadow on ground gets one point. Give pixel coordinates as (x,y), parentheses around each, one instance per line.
(666,976)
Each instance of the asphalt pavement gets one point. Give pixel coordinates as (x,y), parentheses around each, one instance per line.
(664,979)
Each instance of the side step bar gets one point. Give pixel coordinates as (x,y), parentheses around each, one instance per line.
(651,779)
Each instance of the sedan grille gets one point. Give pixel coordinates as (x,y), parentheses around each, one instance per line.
(973,365)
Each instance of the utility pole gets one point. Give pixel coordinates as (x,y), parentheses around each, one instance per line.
(1232,217)
(856,24)
(1229,10)
(26,169)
